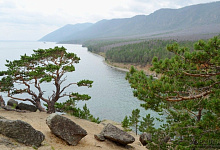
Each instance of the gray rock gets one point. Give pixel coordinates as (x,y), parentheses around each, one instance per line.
(9,108)
(9,143)
(117,135)
(12,103)
(145,138)
(99,137)
(1,117)
(21,131)
(23,106)
(65,128)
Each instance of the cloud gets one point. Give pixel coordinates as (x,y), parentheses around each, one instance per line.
(46,15)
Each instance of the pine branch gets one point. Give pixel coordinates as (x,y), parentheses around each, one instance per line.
(201,75)
(182,98)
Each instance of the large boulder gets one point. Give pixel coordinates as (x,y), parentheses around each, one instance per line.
(145,138)
(12,103)
(115,134)
(21,131)
(65,128)
(23,106)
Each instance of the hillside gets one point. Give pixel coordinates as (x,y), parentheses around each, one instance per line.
(62,33)
(196,19)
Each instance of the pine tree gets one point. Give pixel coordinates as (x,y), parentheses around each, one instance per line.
(45,65)
(147,124)
(126,124)
(134,119)
(188,92)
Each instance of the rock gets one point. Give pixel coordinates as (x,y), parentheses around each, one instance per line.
(99,137)
(145,138)
(65,128)
(21,131)
(23,106)
(9,108)
(1,117)
(12,103)
(117,135)
(8,143)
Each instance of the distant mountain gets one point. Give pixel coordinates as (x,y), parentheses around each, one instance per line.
(67,30)
(205,17)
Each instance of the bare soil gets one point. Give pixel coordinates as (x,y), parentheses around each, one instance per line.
(51,142)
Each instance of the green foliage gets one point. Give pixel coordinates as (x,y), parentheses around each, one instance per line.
(87,83)
(147,124)
(187,94)
(14,106)
(97,46)
(141,53)
(134,119)
(77,96)
(126,124)
(44,65)
(6,83)
(70,107)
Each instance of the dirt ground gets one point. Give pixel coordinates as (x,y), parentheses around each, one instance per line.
(51,142)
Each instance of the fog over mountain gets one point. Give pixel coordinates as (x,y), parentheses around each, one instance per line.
(190,20)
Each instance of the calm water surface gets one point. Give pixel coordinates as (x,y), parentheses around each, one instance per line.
(112,97)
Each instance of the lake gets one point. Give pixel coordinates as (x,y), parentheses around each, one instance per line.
(112,96)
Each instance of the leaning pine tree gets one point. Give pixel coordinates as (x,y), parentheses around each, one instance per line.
(188,93)
(45,65)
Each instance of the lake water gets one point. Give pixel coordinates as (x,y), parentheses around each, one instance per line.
(112,97)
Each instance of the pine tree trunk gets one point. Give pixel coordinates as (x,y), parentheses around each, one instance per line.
(2,102)
(199,114)
(38,105)
(51,107)
(136,128)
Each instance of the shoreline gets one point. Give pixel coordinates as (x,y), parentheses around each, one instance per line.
(125,67)
(115,67)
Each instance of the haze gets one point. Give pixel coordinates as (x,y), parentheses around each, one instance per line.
(32,19)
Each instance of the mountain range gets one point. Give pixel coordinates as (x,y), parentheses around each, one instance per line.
(190,20)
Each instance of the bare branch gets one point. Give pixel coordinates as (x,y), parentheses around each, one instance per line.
(66,87)
(21,99)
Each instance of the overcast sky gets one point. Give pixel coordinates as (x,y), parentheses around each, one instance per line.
(32,19)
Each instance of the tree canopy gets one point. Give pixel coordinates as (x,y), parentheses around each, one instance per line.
(142,52)
(188,93)
(45,65)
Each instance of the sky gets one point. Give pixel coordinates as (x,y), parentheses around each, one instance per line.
(30,20)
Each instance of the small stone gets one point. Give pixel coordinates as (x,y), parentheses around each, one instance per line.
(145,138)
(12,103)
(23,106)
(99,137)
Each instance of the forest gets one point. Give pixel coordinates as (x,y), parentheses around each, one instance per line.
(135,51)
